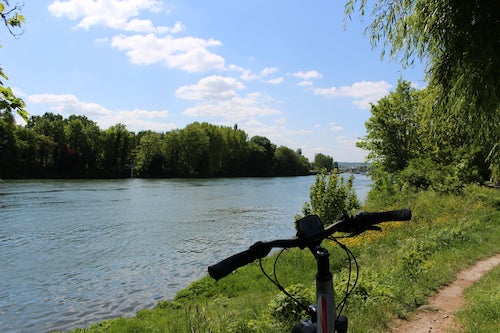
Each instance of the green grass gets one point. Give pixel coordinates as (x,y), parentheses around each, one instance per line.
(399,269)
(481,313)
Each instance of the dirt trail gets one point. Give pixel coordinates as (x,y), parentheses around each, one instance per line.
(438,315)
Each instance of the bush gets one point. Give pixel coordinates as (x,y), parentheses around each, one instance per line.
(330,197)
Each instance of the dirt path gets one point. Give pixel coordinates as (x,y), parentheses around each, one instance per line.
(438,315)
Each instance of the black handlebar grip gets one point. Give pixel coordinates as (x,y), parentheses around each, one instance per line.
(228,265)
(393,215)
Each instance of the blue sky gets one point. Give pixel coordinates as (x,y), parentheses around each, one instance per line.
(288,70)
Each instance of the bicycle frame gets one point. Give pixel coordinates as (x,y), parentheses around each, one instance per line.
(325,294)
(326,318)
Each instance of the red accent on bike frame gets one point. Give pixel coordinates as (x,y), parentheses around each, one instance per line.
(324,315)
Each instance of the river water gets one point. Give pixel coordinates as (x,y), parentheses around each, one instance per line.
(74,252)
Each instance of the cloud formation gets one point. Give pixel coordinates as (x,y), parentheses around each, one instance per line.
(307,77)
(218,96)
(363,93)
(149,44)
(211,88)
(120,15)
(187,53)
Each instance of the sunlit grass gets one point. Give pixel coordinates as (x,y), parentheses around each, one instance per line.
(481,313)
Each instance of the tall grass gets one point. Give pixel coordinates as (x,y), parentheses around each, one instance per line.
(399,268)
(481,313)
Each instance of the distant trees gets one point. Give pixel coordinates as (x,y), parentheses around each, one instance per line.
(322,161)
(50,146)
(290,163)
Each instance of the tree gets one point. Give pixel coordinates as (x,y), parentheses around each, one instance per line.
(13,20)
(289,163)
(235,154)
(323,161)
(9,103)
(260,158)
(173,151)
(118,145)
(84,144)
(330,196)
(194,155)
(150,155)
(459,42)
(51,137)
(393,129)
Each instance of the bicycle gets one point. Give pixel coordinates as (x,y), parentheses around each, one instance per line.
(310,234)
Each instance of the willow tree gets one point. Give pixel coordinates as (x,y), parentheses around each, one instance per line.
(458,40)
(12,18)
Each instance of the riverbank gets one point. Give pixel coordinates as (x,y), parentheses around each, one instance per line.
(447,233)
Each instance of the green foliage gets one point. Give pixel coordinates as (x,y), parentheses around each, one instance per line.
(11,16)
(281,312)
(330,196)
(458,41)
(284,309)
(290,163)
(425,174)
(482,310)
(261,154)
(50,146)
(406,153)
(322,161)
(393,136)
(13,20)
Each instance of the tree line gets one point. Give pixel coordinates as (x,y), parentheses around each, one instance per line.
(50,146)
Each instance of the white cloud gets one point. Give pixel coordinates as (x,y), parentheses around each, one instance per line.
(312,74)
(219,96)
(263,75)
(363,93)
(335,128)
(135,119)
(187,53)
(307,77)
(211,88)
(276,80)
(119,15)
(236,109)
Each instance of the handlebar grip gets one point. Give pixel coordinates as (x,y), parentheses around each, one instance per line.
(365,221)
(393,215)
(228,265)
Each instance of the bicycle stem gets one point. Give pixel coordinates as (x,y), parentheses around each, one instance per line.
(325,295)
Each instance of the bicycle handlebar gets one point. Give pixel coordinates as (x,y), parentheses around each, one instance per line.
(354,225)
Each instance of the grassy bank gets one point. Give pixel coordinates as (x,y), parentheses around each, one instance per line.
(481,313)
(400,267)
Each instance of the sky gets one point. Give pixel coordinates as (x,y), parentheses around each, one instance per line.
(293,71)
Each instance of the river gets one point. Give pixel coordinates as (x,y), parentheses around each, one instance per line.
(74,252)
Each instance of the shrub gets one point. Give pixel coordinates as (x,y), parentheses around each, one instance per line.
(330,196)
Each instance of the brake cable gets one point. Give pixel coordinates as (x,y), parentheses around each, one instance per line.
(276,282)
(349,290)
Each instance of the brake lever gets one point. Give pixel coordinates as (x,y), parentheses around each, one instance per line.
(358,232)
